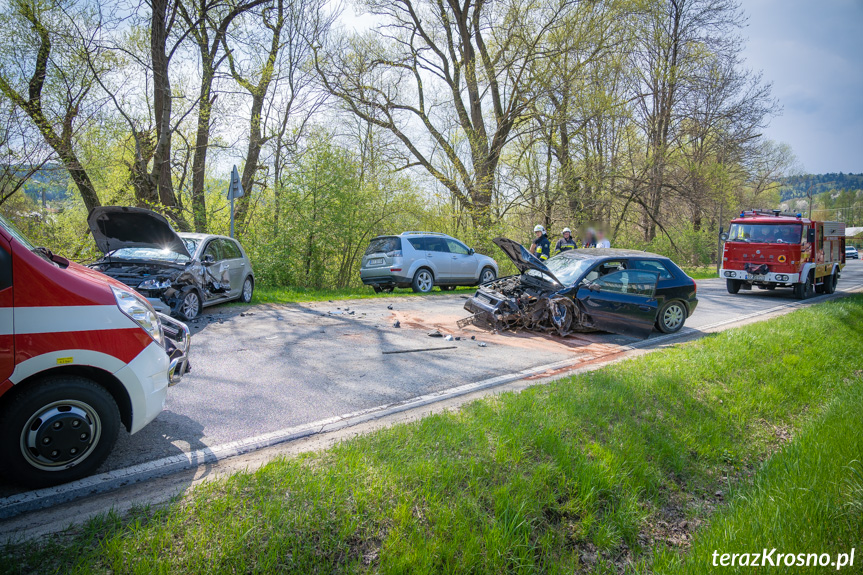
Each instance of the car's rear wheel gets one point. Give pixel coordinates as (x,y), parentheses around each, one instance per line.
(190,306)
(733,286)
(671,317)
(248,290)
(487,275)
(58,430)
(423,281)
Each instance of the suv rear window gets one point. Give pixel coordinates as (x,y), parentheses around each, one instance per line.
(384,245)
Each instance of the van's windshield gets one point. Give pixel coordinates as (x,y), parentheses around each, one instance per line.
(15,233)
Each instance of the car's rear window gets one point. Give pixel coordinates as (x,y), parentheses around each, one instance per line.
(384,245)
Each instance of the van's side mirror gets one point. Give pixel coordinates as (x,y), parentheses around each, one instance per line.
(723,236)
(810,235)
(208,259)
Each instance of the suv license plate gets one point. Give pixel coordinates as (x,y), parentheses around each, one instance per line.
(376,262)
(756,278)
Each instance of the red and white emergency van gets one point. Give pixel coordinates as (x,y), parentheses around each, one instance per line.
(770,249)
(80,355)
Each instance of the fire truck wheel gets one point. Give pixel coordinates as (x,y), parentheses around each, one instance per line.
(830,284)
(671,317)
(804,290)
(57,430)
(733,286)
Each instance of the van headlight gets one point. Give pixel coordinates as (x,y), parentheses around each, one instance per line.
(141,312)
(154,284)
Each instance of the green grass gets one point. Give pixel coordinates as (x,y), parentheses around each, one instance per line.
(807,499)
(597,472)
(298,295)
(703,273)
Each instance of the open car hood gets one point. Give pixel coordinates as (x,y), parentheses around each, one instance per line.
(523,259)
(116,227)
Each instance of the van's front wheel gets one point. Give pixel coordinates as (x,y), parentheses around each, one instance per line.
(58,430)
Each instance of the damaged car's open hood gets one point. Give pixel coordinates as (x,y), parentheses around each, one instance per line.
(116,227)
(523,259)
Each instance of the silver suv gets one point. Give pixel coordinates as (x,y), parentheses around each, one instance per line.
(423,260)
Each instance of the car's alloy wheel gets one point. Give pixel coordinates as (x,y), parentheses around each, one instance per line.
(423,281)
(248,290)
(191,306)
(487,276)
(671,317)
(58,430)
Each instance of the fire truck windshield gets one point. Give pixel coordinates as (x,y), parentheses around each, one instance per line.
(766,233)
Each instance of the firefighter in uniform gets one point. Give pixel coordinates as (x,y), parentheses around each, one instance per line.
(566,242)
(541,246)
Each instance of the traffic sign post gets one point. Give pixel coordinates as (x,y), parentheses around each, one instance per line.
(235,190)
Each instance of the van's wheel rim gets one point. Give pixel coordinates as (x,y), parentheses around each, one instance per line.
(190,305)
(673,317)
(424,281)
(247,290)
(60,435)
(487,276)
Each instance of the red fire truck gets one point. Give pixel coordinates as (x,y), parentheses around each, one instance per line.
(80,355)
(771,249)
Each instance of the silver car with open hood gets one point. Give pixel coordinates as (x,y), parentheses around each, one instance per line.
(178,273)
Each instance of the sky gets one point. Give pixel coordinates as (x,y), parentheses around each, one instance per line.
(812,52)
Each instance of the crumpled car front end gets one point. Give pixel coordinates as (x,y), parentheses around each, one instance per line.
(523,302)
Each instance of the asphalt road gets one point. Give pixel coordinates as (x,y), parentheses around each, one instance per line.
(265,368)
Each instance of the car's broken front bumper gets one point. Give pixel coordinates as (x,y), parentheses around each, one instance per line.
(548,313)
(177,346)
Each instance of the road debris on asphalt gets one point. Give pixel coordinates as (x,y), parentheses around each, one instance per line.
(397,323)
(435,333)
(416,350)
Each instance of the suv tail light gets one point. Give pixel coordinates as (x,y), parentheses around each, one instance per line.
(394,254)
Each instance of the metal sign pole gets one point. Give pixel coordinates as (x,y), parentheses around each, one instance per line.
(232,213)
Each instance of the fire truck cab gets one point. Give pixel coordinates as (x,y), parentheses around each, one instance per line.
(770,249)
(80,355)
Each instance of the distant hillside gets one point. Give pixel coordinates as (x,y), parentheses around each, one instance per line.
(53,179)
(796,186)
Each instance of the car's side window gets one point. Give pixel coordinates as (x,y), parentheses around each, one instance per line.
(653,266)
(230,251)
(436,245)
(457,247)
(633,282)
(418,243)
(603,269)
(213,249)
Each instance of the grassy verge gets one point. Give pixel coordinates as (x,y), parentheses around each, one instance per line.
(808,499)
(701,273)
(297,295)
(613,470)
